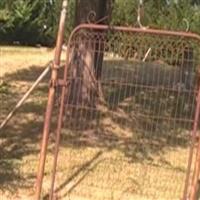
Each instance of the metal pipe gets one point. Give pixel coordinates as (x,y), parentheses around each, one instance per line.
(192,195)
(58,132)
(24,98)
(50,103)
(194,131)
(137,30)
(59,126)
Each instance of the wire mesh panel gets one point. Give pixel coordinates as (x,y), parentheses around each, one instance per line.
(128,105)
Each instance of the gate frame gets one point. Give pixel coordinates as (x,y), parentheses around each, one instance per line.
(50,102)
(61,82)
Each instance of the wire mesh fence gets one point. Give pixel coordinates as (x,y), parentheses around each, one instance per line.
(127,110)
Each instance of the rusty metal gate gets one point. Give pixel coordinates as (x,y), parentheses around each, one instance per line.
(129,102)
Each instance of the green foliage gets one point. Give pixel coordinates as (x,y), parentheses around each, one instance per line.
(125,12)
(28,22)
(36,21)
(177,15)
(4,88)
(166,14)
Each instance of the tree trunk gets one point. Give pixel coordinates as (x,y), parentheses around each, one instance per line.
(88,11)
(86,62)
(100,8)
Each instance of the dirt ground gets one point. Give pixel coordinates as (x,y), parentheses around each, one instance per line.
(85,172)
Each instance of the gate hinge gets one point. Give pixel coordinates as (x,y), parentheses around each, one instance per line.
(55,66)
(62,83)
(53,83)
(57,83)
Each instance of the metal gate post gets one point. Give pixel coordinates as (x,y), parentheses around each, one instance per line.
(197,161)
(50,102)
(59,123)
(57,143)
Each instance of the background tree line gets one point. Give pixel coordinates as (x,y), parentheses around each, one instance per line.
(33,22)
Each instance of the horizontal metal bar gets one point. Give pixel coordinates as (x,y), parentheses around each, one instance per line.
(137,30)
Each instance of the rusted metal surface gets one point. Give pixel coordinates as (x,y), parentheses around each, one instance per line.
(135,92)
(50,103)
(195,180)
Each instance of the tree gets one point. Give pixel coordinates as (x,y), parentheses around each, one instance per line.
(100,7)
(29,22)
(38,19)
(86,63)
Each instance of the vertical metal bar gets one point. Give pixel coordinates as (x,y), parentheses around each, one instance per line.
(60,117)
(59,126)
(197,161)
(50,102)
(58,132)
(195,126)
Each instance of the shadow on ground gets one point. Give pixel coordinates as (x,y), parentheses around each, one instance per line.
(20,137)
(123,123)
(147,108)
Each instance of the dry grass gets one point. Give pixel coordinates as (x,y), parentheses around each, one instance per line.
(18,58)
(84,172)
